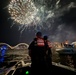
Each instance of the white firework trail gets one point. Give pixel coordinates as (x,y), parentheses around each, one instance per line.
(24,12)
(27,15)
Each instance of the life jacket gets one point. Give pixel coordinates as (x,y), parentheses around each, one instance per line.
(40,42)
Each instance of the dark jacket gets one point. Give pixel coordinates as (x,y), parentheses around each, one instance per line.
(40,57)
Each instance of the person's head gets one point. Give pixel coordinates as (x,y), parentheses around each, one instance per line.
(39,34)
(45,37)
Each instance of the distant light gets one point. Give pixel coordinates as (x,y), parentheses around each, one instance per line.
(27,72)
(3,47)
(2,53)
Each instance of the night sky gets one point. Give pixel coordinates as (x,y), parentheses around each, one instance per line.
(60,27)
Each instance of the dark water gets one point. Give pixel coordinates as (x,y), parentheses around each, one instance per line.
(11,57)
(14,54)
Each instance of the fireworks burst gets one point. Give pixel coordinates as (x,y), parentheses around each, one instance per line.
(26,13)
(22,11)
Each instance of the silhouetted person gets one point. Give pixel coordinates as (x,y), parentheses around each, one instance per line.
(37,52)
(48,54)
